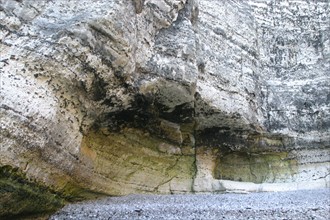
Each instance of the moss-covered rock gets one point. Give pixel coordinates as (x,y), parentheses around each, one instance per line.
(135,159)
(21,196)
(264,167)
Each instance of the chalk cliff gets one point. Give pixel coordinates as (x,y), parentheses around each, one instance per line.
(161,96)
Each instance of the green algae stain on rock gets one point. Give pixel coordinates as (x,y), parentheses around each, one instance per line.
(264,167)
(73,192)
(20,196)
(135,159)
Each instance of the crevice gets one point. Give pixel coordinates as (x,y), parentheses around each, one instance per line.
(194,146)
(156,189)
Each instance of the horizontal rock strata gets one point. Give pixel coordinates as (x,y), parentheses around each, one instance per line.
(161,96)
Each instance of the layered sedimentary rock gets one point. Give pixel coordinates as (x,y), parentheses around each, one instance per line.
(162,96)
(269,57)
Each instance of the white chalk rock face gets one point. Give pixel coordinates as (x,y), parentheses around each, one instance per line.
(265,69)
(168,96)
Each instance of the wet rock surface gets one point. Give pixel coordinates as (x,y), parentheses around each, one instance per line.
(312,204)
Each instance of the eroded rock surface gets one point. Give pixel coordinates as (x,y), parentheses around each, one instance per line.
(165,96)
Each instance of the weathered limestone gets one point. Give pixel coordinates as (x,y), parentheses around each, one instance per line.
(132,161)
(162,96)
